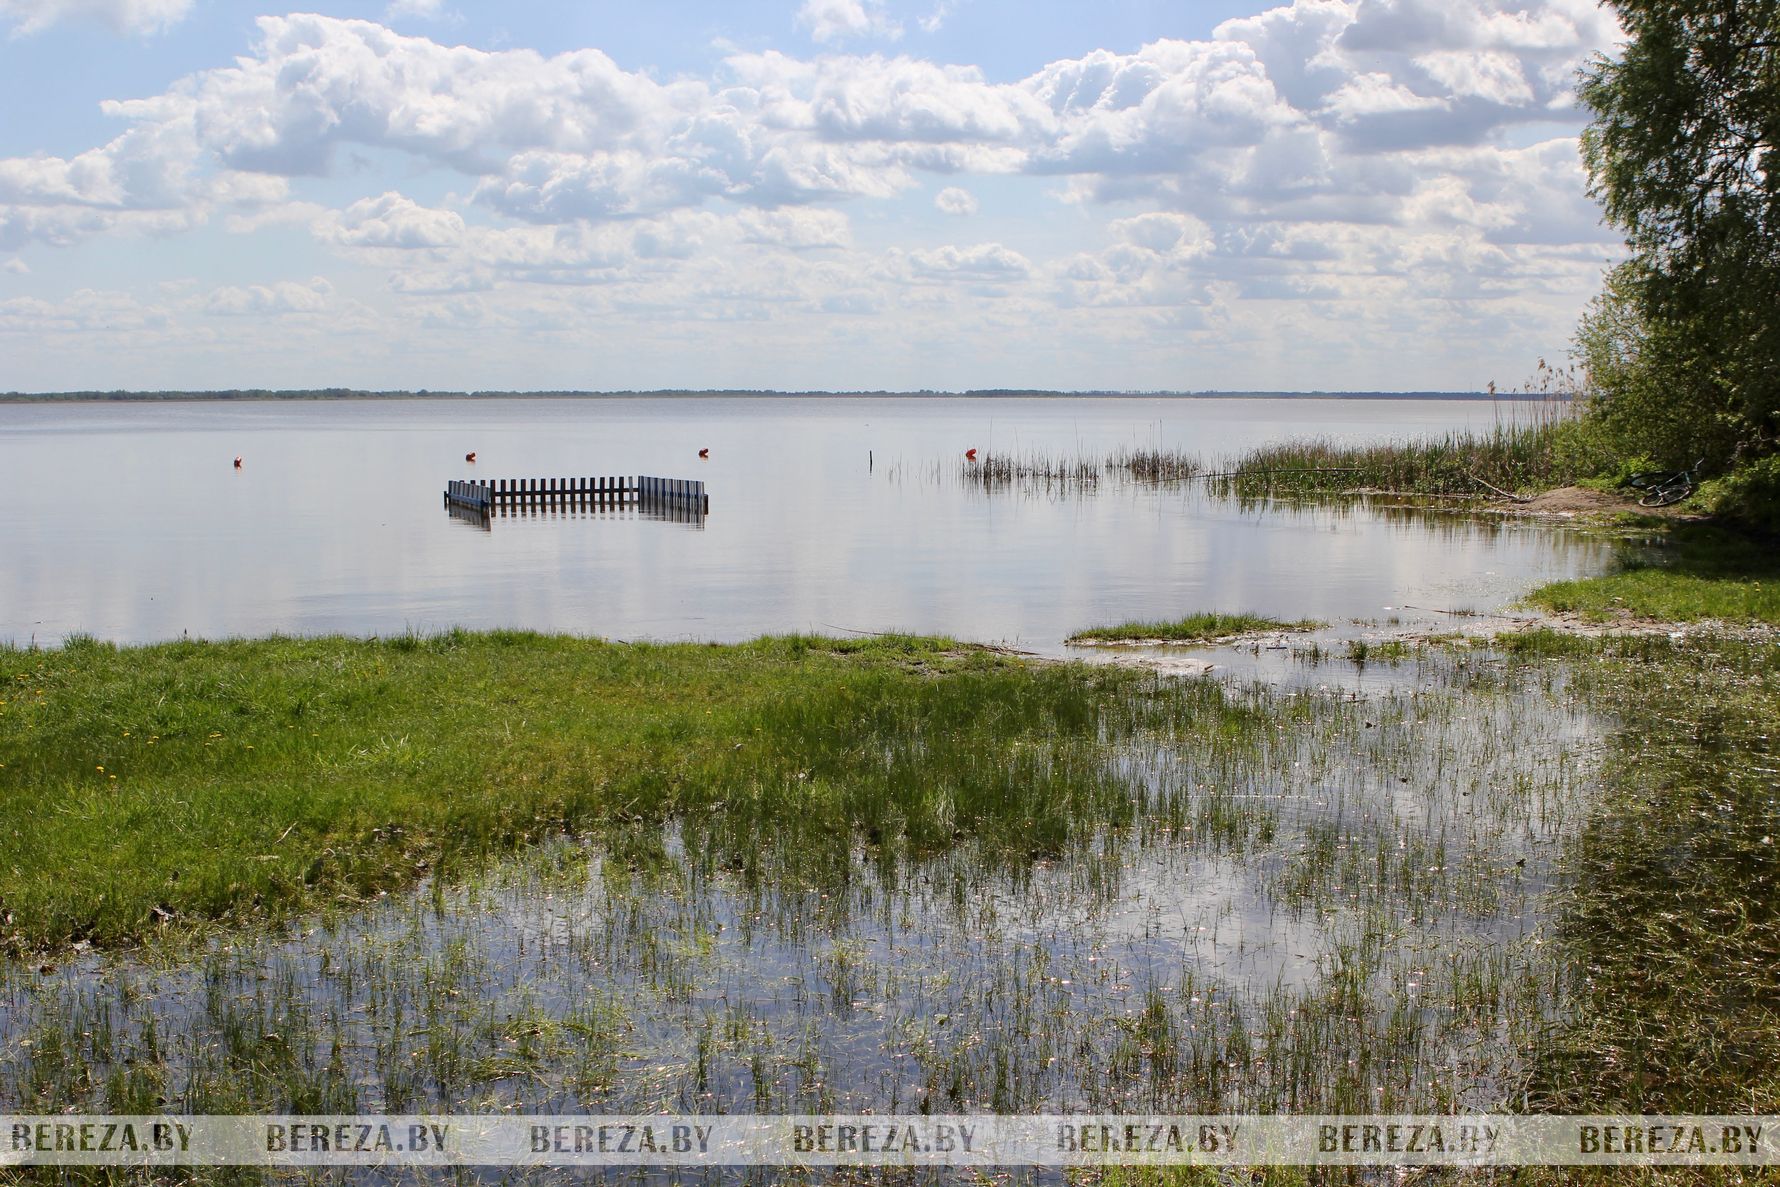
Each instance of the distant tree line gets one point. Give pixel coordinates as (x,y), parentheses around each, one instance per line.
(344,393)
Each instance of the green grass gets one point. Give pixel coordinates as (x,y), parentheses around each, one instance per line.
(1194,628)
(191,782)
(1362,651)
(1694,572)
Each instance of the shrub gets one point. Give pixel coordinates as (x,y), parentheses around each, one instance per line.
(1748,495)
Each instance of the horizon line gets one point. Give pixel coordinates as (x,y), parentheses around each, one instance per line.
(96,395)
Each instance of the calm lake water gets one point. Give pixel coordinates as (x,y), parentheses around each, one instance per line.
(1332,897)
(129,522)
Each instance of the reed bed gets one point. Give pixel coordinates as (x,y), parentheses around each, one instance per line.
(1513,460)
(1050,471)
(996,470)
(1510,460)
(1160,466)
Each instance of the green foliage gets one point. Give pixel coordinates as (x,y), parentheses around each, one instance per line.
(1683,348)
(1749,495)
(1657,400)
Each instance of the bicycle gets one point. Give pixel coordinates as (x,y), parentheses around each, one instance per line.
(1663,487)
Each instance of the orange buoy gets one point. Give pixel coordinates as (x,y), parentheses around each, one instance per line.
(237,461)
(704,453)
(970,455)
(470,456)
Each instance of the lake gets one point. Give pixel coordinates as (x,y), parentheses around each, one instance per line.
(1324,890)
(828,514)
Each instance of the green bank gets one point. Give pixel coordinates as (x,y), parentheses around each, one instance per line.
(1687,572)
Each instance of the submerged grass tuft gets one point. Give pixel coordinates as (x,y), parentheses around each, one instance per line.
(1194,628)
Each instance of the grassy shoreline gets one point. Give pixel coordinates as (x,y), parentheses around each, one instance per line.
(231,780)
(197,783)
(934,844)
(1723,567)
(1689,572)
(182,784)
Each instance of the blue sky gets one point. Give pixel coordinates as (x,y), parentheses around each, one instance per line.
(846,194)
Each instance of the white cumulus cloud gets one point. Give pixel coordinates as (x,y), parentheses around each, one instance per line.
(842,20)
(280,297)
(1333,159)
(982,261)
(796,228)
(392,220)
(120,16)
(953,200)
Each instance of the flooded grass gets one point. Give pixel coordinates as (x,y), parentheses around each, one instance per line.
(1194,628)
(1534,874)
(1158,466)
(1670,920)
(995,470)
(979,887)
